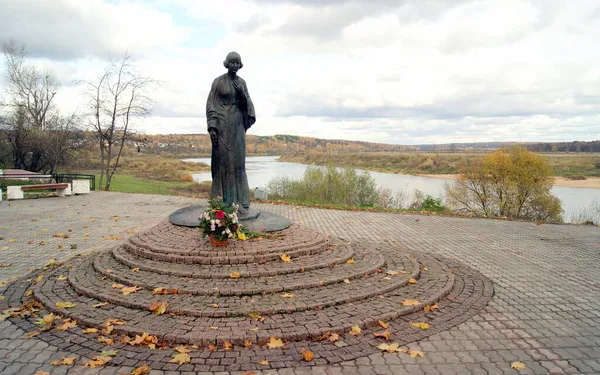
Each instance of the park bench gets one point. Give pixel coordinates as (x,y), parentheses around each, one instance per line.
(16,192)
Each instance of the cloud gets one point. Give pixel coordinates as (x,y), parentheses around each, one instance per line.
(70,29)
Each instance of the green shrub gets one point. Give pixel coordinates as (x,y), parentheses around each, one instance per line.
(432,204)
(327,186)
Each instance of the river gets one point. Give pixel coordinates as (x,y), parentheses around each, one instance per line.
(261,169)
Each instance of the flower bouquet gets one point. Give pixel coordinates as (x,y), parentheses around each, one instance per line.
(220,224)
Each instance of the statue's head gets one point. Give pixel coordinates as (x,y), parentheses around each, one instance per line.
(231,59)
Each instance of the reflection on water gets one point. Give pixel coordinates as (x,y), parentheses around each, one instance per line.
(261,169)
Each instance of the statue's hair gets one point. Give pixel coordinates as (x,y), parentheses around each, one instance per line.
(233,55)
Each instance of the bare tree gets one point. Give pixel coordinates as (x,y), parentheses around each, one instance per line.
(38,136)
(116,98)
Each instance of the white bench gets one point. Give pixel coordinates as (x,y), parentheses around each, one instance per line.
(16,192)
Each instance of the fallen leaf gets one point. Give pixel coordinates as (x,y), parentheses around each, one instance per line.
(139,339)
(286,258)
(287,295)
(264,363)
(430,308)
(180,358)
(383,334)
(249,373)
(235,275)
(390,348)
(415,353)
(518,366)
(421,325)
(33,334)
(2,265)
(110,353)
(159,308)
(275,343)
(395,273)
(212,348)
(355,330)
(350,261)
(383,324)
(113,321)
(64,361)
(346,281)
(137,269)
(118,286)
(47,319)
(412,281)
(307,355)
(227,346)
(256,316)
(99,360)
(64,305)
(60,235)
(130,289)
(28,293)
(61,277)
(42,373)
(90,330)
(100,304)
(142,370)
(106,340)
(67,324)
(410,302)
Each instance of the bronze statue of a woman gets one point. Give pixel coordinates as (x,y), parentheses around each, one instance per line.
(230,113)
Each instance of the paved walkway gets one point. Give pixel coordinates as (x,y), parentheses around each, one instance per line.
(545,313)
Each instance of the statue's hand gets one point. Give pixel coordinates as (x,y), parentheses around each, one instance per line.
(238,86)
(213,137)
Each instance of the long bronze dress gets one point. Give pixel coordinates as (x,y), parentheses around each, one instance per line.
(229,110)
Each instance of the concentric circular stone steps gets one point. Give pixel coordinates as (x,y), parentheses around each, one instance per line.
(245,293)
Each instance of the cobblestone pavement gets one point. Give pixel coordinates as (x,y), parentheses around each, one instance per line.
(545,312)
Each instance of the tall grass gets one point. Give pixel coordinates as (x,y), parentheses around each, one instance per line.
(587,215)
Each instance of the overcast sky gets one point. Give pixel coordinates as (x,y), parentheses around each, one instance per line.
(403,71)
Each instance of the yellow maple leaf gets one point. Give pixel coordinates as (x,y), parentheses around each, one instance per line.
(395,273)
(67,324)
(247,344)
(130,289)
(99,360)
(235,275)
(118,286)
(61,277)
(48,319)
(383,324)
(275,343)
(355,330)
(286,258)
(287,295)
(350,261)
(430,308)
(160,291)
(410,302)
(182,349)
(264,363)
(421,325)
(100,304)
(412,281)
(180,358)
(390,348)
(333,337)
(42,373)
(106,340)
(64,361)
(307,355)
(136,269)
(415,353)
(227,346)
(241,236)
(159,308)
(518,366)
(90,330)
(64,305)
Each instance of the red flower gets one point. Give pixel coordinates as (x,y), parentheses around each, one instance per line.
(220,214)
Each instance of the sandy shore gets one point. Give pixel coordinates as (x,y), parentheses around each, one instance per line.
(591,182)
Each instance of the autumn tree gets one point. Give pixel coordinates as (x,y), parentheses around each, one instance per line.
(39,137)
(512,182)
(118,97)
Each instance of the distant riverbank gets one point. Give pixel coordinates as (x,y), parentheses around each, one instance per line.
(589,182)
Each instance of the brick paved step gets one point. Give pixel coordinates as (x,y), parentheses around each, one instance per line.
(301,325)
(337,255)
(365,263)
(215,258)
(167,238)
(87,281)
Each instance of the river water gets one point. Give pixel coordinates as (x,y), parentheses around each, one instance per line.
(261,169)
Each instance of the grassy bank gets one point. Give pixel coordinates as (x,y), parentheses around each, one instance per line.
(564,164)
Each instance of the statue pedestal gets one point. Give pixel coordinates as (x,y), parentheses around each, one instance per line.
(254,219)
